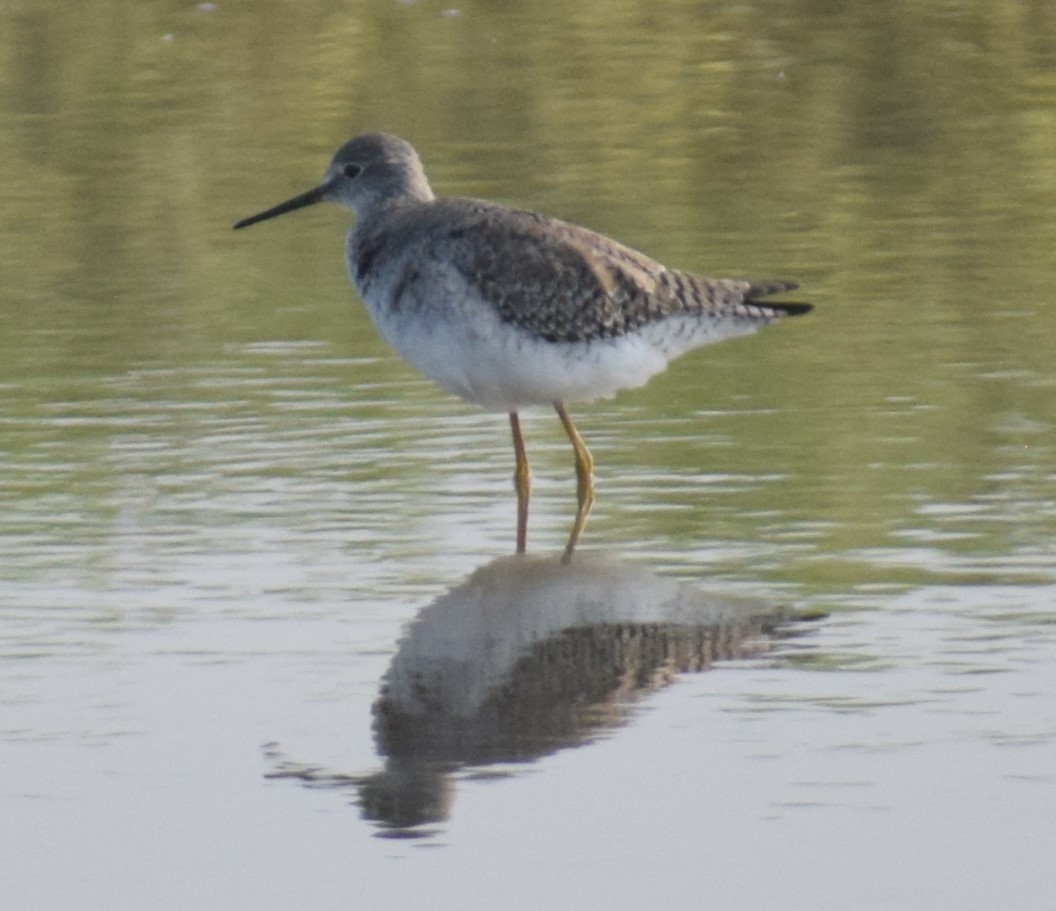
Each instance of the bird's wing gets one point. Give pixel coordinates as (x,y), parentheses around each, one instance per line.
(565,283)
(556,280)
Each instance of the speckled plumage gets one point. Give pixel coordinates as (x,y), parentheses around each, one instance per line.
(557,281)
(507,308)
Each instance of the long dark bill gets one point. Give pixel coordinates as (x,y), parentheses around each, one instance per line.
(298,202)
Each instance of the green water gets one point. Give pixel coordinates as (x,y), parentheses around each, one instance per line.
(895,159)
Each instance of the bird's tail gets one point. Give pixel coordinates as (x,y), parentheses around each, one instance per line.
(780,308)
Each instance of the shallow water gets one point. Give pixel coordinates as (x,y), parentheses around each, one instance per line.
(261,641)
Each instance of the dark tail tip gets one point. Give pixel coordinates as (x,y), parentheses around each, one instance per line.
(790,308)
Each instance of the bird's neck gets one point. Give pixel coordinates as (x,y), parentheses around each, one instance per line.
(410,193)
(369,245)
(415,187)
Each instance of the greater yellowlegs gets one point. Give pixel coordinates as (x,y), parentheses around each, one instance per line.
(508,308)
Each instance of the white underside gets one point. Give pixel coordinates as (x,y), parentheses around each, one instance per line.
(505,373)
(503,368)
(460,342)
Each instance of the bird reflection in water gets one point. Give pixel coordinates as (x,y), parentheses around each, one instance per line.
(527,657)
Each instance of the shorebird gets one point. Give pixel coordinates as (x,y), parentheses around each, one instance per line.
(508,308)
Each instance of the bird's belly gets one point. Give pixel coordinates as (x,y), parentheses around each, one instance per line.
(502,367)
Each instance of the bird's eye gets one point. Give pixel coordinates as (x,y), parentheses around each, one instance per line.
(351,170)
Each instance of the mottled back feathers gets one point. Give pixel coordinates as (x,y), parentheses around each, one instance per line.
(555,280)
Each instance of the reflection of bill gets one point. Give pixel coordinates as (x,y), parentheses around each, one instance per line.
(528,656)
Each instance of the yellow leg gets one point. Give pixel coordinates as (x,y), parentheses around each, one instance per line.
(522,481)
(584,480)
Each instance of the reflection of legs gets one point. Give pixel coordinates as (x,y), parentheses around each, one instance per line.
(522,481)
(584,480)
